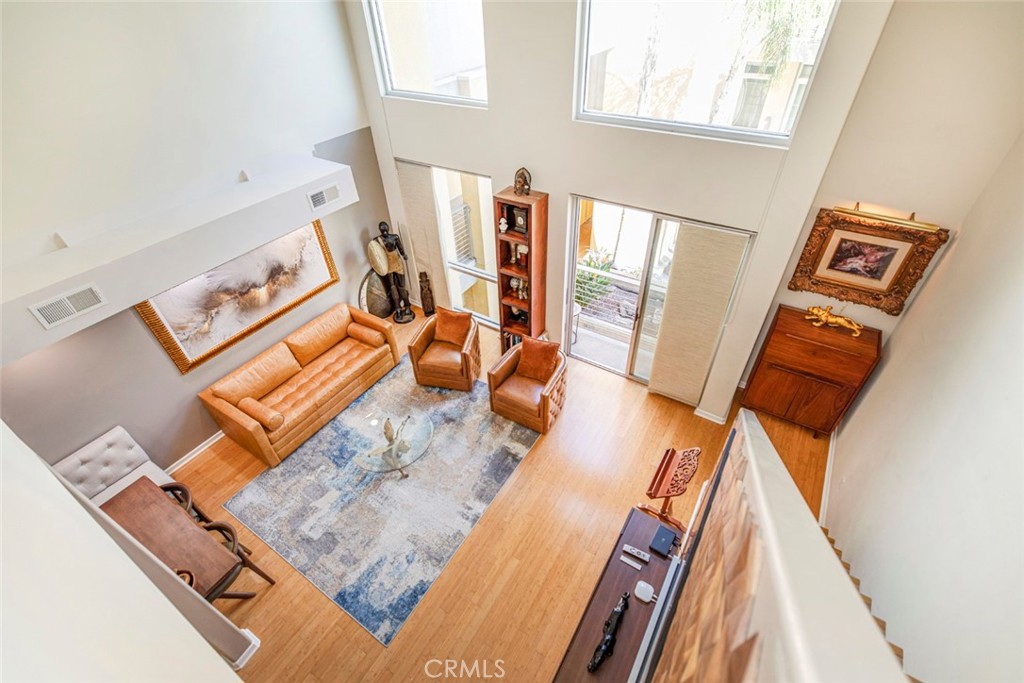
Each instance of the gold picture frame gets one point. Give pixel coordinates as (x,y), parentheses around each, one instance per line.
(866,258)
(201,317)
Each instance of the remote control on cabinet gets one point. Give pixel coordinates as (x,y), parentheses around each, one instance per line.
(637,553)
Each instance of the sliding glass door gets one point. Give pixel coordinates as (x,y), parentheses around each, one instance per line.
(629,268)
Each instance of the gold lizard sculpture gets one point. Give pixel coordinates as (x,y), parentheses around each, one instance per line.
(825,316)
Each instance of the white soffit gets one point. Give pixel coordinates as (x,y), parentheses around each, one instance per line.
(137,260)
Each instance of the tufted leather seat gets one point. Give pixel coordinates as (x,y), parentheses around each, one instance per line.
(107,465)
(307,379)
(524,398)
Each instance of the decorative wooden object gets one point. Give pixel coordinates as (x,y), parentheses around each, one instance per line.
(810,375)
(522,263)
(709,638)
(866,258)
(616,579)
(674,473)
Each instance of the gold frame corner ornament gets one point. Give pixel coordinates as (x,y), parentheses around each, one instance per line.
(185,364)
(924,241)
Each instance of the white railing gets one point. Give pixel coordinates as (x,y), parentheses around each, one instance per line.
(811,620)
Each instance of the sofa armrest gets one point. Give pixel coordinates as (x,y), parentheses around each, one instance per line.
(471,351)
(552,398)
(556,376)
(383,326)
(504,368)
(240,428)
(422,339)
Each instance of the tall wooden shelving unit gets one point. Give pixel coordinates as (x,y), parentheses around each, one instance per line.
(531,269)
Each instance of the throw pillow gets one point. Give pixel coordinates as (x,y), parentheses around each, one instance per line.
(319,334)
(452,326)
(537,359)
(367,335)
(271,419)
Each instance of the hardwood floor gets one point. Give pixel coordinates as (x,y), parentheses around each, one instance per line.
(517,586)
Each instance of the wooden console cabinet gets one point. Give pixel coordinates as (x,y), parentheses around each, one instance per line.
(810,375)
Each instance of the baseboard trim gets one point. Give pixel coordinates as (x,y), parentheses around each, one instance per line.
(254,644)
(828,477)
(717,419)
(188,457)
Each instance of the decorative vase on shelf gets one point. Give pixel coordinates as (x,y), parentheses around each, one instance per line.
(523,251)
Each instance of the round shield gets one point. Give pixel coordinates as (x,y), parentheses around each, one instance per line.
(378,257)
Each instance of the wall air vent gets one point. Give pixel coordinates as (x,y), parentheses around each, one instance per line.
(323,197)
(63,308)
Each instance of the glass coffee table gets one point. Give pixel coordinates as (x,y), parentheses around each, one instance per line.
(399,441)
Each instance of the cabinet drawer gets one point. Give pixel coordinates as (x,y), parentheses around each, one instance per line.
(818,358)
(797,396)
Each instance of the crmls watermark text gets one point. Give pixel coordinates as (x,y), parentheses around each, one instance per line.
(462,670)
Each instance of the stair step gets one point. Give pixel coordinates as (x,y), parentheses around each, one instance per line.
(846,565)
(898,651)
(881,624)
(856,581)
(913,680)
(866,599)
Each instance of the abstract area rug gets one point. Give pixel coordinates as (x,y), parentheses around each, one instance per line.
(374,543)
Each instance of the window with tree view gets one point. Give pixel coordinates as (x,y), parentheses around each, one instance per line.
(432,49)
(738,65)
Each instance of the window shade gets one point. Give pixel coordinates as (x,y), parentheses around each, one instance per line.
(416,186)
(705,266)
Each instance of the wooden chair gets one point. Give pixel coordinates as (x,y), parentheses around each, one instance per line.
(446,351)
(230,536)
(528,384)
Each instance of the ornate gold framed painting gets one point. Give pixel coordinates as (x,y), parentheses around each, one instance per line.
(201,317)
(866,258)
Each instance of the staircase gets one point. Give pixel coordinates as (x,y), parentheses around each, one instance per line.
(867,601)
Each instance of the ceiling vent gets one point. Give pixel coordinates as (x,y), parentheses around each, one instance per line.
(63,308)
(323,197)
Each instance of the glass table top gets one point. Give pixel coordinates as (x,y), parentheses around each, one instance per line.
(400,441)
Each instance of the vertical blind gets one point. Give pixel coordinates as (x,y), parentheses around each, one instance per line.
(705,265)
(416,185)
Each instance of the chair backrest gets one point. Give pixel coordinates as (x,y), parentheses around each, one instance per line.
(102,462)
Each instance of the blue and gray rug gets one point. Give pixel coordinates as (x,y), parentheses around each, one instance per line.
(374,543)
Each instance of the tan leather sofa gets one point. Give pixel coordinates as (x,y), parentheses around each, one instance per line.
(280,398)
(528,384)
(446,351)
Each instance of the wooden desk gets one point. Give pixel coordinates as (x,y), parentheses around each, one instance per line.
(617,578)
(167,530)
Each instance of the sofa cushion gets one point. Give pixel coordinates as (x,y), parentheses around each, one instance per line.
(319,334)
(442,358)
(538,359)
(258,377)
(271,419)
(519,393)
(452,326)
(367,335)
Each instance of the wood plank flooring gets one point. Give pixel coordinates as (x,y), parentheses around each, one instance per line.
(517,586)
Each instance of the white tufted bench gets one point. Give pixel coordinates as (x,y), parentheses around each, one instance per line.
(106,466)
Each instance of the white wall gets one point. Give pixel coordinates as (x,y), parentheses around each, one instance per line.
(926,485)
(528,122)
(115,109)
(75,607)
(928,125)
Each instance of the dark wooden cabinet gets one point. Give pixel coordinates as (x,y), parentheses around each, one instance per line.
(810,375)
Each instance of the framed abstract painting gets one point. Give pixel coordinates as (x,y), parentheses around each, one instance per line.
(205,315)
(865,258)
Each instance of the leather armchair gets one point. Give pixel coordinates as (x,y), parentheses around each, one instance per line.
(530,402)
(443,364)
